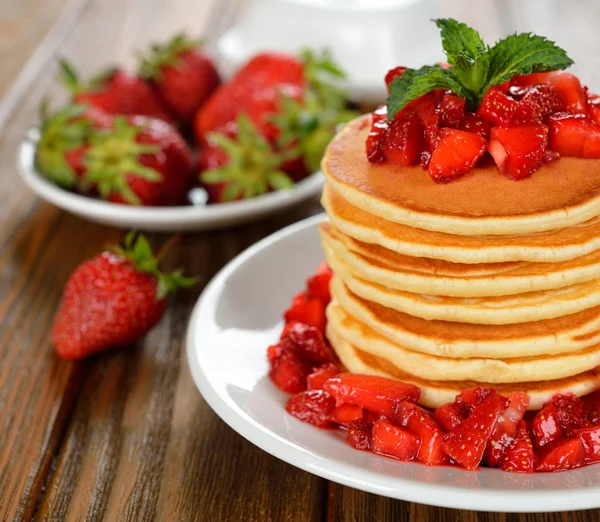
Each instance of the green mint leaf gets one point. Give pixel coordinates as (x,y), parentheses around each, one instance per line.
(460,40)
(523,53)
(414,83)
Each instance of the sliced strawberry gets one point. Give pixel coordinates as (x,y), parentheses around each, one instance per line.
(378,127)
(519,150)
(404,139)
(550,156)
(476,125)
(593,107)
(564,454)
(456,154)
(545,427)
(346,413)
(590,437)
(396,72)
(532,79)
(469,399)
(569,90)
(506,428)
(394,442)
(371,392)
(289,372)
(359,435)
(426,108)
(449,416)
(519,455)
(274,352)
(311,312)
(320,375)
(324,268)
(497,108)
(299,299)
(452,109)
(574,135)
(420,422)
(466,443)
(571,412)
(307,341)
(313,406)
(538,102)
(317,287)
(592,406)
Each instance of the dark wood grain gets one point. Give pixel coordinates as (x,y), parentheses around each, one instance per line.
(126,436)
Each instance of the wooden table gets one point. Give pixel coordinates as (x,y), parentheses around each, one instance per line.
(126,436)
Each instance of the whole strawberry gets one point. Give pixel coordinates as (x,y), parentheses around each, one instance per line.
(115,91)
(113,300)
(181,74)
(138,161)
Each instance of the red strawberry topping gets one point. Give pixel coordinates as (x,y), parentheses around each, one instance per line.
(497,108)
(313,406)
(392,441)
(455,155)
(519,456)
(404,139)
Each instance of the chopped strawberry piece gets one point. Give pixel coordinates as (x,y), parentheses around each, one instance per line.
(519,150)
(571,412)
(468,399)
(404,138)
(569,90)
(452,109)
(311,312)
(289,371)
(574,135)
(455,155)
(370,416)
(396,72)
(371,392)
(394,442)
(497,108)
(313,406)
(378,127)
(324,268)
(421,423)
(590,437)
(519,455)
(532,79)
(506,428)
(359,435)
(476,125)
(466,443)
(426,108)
(346,413)
(317,287)
(299,299)
(538,102)
(274,352)
(593,107)
(449,416)
(592,406)
(545,427)
(564,454)
(550,156)
(307,341)
(320,375)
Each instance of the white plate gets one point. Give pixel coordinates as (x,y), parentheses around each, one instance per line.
(366,37)
(238,316)
(166,219)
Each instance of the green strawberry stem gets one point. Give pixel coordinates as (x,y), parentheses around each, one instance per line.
(69,77)
(136,249)
(253,166)
(162,55)
(475,66)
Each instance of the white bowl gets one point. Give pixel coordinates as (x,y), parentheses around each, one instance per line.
(238,317)
(366,37)
(164,219)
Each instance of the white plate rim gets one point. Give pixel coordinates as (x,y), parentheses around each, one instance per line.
(509,501)
(159,218)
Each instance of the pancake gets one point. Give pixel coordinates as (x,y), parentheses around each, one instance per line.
(438,277)
(561,194)
(499,310)
(435,368)
(436,393)
(560,245)
(449,339)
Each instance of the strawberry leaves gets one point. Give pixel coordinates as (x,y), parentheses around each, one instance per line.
(475,67)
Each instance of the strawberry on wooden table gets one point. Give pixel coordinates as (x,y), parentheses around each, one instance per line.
(180,74)
(113,300)
(115,91)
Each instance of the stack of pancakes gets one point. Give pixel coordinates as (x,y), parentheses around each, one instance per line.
(483,281)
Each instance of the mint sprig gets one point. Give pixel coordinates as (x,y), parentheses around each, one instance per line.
(475,67)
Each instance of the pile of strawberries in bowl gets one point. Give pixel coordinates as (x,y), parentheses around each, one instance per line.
(149,138)
(481,427)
